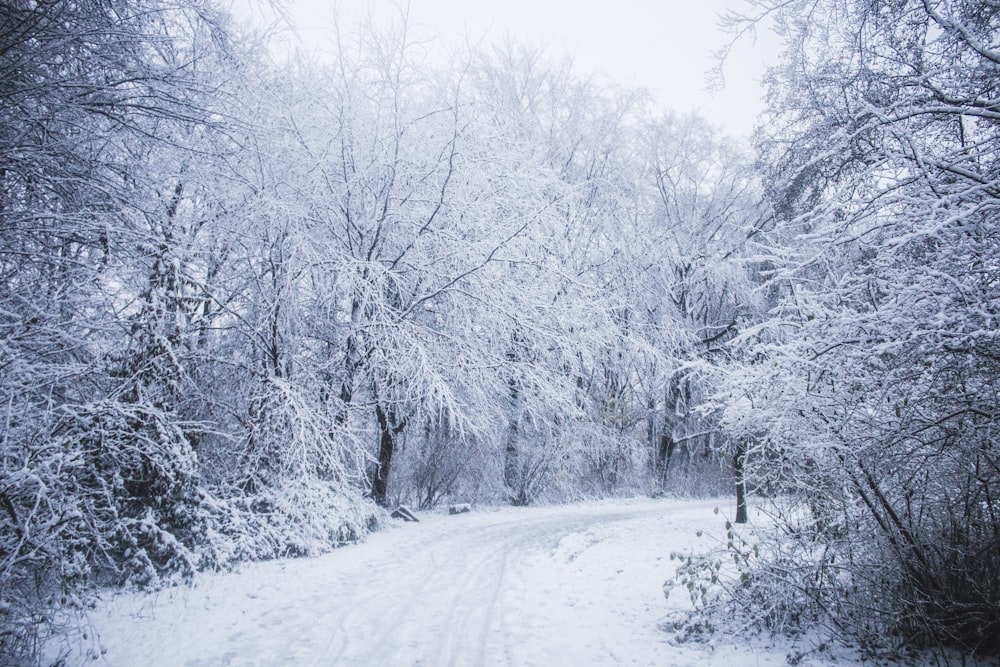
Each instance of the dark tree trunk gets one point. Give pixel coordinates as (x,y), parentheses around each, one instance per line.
(664,454)
(512,473)
(511,463)
(741,487)
(387,446)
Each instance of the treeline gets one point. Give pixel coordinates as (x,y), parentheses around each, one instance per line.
(245,305)
(241,301)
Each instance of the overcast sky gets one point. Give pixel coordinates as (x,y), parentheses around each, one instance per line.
(663,45)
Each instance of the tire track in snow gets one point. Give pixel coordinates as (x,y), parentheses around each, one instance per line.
(458,613)
(513,587)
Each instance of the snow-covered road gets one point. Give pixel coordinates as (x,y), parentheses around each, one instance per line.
(570,585)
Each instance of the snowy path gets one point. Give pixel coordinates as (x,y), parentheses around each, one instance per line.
(572,585)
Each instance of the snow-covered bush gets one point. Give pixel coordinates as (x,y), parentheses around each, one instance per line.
(294,517)
(132,477)
(107,496)
(871,396)
(769,577)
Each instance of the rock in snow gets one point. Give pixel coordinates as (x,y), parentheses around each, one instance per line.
(403,512)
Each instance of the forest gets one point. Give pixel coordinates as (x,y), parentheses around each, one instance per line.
(246,306)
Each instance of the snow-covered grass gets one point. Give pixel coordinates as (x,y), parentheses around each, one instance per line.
(578,584)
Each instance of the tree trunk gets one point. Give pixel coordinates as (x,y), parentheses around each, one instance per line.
(741,487)
(512,473)
(387,446)
(512,477)
(664,454)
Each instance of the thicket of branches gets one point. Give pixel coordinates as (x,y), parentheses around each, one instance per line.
(244,306)
(868,397)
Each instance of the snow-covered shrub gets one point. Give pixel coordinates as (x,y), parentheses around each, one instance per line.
(751,583)
(107,495)
(872,393)
(134,479)
(542,462)
(440,461)
(806,571)
(295,517)
(43,546)
(289,434)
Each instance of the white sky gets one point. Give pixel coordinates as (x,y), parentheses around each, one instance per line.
(663,45)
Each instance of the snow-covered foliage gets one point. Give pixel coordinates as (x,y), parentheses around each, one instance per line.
(870,395)
(243,305)
(239,302)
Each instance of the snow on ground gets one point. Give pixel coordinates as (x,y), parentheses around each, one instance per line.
(567,585)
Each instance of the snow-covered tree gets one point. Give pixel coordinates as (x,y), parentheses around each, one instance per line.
(98,475)
(699,277)
(873,396)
